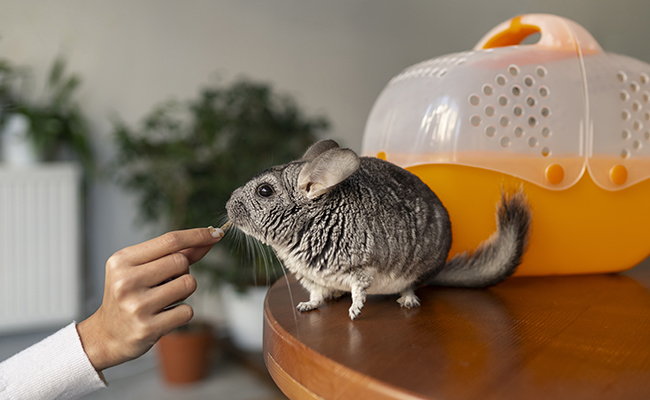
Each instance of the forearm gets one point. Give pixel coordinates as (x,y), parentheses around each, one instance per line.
(54,368)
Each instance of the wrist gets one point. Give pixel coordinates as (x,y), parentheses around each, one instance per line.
(93,343)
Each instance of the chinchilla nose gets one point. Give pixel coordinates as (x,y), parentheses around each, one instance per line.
(235,206)
(236,194)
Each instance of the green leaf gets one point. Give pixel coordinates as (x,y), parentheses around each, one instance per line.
(56,72)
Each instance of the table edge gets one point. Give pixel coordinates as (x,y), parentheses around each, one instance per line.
(280,348)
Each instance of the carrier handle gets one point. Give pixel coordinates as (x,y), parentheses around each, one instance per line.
(555,32)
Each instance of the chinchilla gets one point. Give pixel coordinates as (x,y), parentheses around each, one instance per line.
(344,223)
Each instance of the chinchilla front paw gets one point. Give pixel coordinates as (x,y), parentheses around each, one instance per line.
(355,310)
(409,301)
(307,305)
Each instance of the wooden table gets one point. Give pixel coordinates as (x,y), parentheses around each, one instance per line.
(574,337)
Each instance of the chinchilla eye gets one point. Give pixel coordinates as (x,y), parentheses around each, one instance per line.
(265,190)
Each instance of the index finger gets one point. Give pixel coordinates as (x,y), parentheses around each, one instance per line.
(171,242)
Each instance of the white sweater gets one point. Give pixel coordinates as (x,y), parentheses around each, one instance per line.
(55,368)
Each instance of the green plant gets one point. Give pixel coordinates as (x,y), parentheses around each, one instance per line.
(12,79)
(186,158)
(57,123)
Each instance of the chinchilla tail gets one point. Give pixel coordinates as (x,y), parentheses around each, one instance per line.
(496,258)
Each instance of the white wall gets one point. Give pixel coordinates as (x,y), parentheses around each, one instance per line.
(334,56)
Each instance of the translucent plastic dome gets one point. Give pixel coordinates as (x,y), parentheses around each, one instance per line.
(546,113)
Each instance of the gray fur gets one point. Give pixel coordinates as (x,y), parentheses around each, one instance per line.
(343,223)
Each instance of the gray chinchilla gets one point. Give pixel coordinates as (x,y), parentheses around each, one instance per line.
(344,223)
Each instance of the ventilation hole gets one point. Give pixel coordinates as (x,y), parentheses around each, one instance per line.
(529,81)
(474,100)
(637,125)
(442,73)
(646,136)
(475,120)
(532,122)
(532,141)
(516,90)
(626,135)
(519,132)
(461,61)
(646,97)
(503,100)
(543,91)
(646,116)
(541,71)
(636,145)
(546,152)
(487,89)
(625,153)
(530,101)
(504,121)
(518,111)
(622,77)
(513,70)
(634,87)
(504,141)
(636,106)
(490,131)
(501,80)
(489,111)
(545,111)
(546,132)
(625,115)
(625,96)
(643,78)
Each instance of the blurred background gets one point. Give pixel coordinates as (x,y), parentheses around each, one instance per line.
(131,69)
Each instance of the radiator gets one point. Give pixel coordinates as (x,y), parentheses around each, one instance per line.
(40,274)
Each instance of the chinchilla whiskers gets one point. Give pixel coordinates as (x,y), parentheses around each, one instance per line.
(266,260)
(266,255)
(261,260)
(292,305)
(268,264)
(221,220)
(260,257)
(250,247)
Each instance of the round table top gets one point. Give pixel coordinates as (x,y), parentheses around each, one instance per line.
(571,337)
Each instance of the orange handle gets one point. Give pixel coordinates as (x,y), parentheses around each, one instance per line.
(555,32)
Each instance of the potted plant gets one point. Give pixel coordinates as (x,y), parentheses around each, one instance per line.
(185,158)
(185,353)
(51,126)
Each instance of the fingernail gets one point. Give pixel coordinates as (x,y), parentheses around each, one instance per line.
(216,233)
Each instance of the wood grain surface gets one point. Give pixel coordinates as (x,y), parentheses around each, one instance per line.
(571,337)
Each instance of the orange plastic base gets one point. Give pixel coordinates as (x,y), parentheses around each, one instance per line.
(583,229)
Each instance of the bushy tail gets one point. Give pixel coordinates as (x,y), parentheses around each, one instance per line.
(497,257)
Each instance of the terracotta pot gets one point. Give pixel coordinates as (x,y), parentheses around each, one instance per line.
(185,355)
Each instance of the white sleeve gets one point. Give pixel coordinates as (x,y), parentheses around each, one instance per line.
(55,368)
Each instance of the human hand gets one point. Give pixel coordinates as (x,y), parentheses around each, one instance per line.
(137,292)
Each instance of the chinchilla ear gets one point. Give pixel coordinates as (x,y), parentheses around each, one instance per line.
(319,148)
(326,171)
